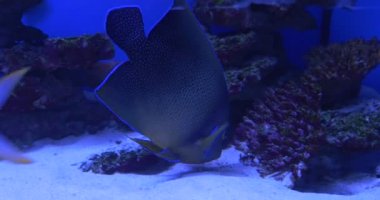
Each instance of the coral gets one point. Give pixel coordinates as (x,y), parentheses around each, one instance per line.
(123,161)
(51,100)
(55,53)
(328,3)
(231,50)
(234,50)
(340,68)
(12,30)
(59,70)
(253,15)
(240,19)
(356,127)
(255,71)
(279,131)
(247,2)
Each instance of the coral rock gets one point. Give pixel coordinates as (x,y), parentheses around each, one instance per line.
(51,101)
(353,128)
(340,68)
(239,79)
(59,70)
(12,30)
(234,50)
(124,161)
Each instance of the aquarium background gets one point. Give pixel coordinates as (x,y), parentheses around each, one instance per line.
(62,19)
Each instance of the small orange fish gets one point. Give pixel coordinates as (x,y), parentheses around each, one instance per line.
(9,152)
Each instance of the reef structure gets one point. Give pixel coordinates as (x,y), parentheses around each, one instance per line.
(51,100)
(335,70)
(253,15)
(12,30)
(124,160)
(340,68)
(353,128)
(250,75)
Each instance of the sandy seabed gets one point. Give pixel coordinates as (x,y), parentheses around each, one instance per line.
(54,175)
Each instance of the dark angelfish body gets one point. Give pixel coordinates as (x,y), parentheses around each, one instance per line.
(172,89)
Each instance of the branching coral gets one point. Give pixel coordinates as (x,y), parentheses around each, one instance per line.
(340,68)
(278,132)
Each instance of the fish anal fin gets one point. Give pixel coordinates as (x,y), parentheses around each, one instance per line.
(168,155)
(148,144)
(158,151)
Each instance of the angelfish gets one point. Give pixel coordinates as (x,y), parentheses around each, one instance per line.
(7,150)
(172,90)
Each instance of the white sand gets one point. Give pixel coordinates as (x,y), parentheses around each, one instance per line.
(55,176)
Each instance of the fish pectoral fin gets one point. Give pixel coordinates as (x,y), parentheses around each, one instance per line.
(148,144)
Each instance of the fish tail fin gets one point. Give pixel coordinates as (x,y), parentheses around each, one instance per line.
(125,27)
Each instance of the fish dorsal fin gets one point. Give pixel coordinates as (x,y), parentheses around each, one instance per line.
(125,27)
(8,83)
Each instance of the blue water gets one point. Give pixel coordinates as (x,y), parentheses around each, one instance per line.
(60,18)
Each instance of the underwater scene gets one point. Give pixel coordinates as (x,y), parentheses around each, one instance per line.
(189,99)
